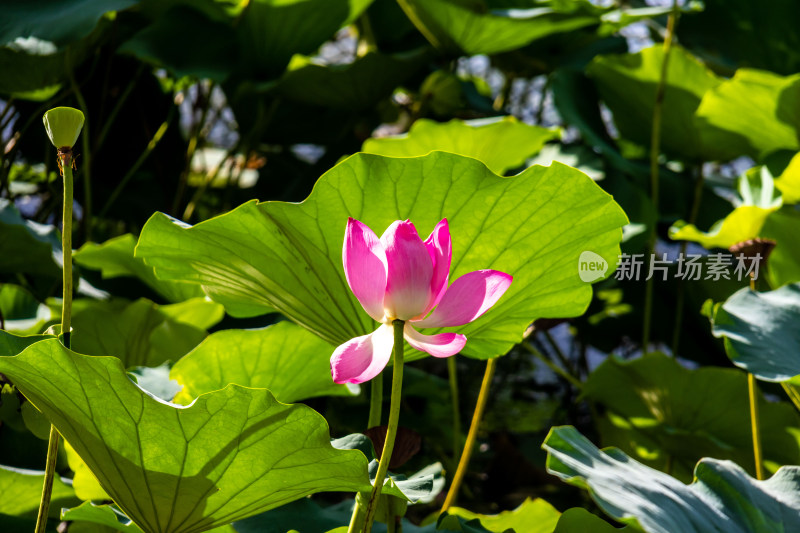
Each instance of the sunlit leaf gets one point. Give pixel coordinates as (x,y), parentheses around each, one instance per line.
(231,454)
(501,144)
(286,359)
(532,516)
(140,333)
(104,515)
(83,480)
(760,331)
(11,344)
(722,497)
(533,226)
(789,181)
(114,258)
(743,223)
(627,83)
(783,227)
(755,113)
(22,491)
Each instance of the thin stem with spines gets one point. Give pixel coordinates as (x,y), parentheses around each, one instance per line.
(655,150)
(65,161)
(391,431)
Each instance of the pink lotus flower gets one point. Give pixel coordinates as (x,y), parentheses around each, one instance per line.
(400,277)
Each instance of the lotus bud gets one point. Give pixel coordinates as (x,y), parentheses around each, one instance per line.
(63,125)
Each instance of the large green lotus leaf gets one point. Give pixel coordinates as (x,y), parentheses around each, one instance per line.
(22,491)
(754,113)
(789,181)
(783,227)
(26,246)
(579,520)
(761,331)
(469,28)
(354,86)
(501,144)
(652,415)
(627,83)
(114,258)
(533,226)
(532,516)
(231,454)
(140,333)
(58,21)
(286,359)
(270,32)
(722,497)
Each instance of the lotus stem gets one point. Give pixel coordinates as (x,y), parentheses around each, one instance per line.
(65,163)
(453,378)
(655,150)
(751,389)
(472,436)
(391,432)
(375,401)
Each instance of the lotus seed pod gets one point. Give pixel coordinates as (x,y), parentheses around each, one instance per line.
(63,125)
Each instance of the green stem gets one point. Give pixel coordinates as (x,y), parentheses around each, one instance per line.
(358,514)
(466,453)
(452,374)
(552,366)
(66,246)
(562,358)
(375,401)
(698,194)
(751,390)
(792,393)
(391,432)
(754,426)
(411,12)
(66,314)
(655,150)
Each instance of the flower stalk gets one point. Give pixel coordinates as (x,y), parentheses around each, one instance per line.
(391,432)
(63,125)
(375,401)
(65,162)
